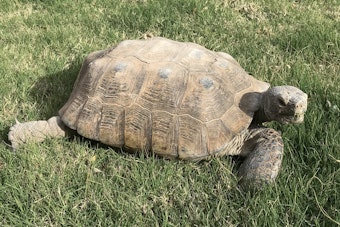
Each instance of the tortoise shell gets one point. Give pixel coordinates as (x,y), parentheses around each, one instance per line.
(175,99)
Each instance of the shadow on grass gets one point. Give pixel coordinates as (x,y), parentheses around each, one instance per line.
(51,92)
(4,135)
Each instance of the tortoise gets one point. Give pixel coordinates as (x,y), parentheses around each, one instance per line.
(176,100)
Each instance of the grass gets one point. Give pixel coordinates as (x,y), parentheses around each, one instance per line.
(78,183)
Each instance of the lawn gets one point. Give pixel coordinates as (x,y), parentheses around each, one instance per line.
(77,182)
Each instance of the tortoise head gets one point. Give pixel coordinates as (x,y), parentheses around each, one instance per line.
(285,104)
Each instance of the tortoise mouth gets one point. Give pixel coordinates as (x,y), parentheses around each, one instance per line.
(295,119)
(298,118)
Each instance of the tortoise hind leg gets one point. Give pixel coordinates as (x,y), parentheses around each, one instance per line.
(263,150)
(36,131)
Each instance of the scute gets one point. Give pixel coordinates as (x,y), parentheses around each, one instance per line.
(205,97)
(164,134)
(176,99)
(137,128)
(163,87)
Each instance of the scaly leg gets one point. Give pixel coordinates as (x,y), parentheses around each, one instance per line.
(263,150)
(36,131)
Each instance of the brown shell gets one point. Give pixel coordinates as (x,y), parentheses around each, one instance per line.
(175,99)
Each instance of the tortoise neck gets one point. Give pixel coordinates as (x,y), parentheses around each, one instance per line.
(260,115)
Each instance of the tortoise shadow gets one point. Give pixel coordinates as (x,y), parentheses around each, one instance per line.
(52,91)
(49,93)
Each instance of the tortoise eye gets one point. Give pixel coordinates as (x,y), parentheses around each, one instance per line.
(282,102)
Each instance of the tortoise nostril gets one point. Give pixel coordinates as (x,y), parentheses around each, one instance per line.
(299,105)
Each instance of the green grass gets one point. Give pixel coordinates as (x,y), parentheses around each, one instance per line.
(74,182)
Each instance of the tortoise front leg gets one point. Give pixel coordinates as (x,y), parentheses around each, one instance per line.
(263,150)
(36,131)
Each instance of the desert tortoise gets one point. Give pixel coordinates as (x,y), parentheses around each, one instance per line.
(178,100)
